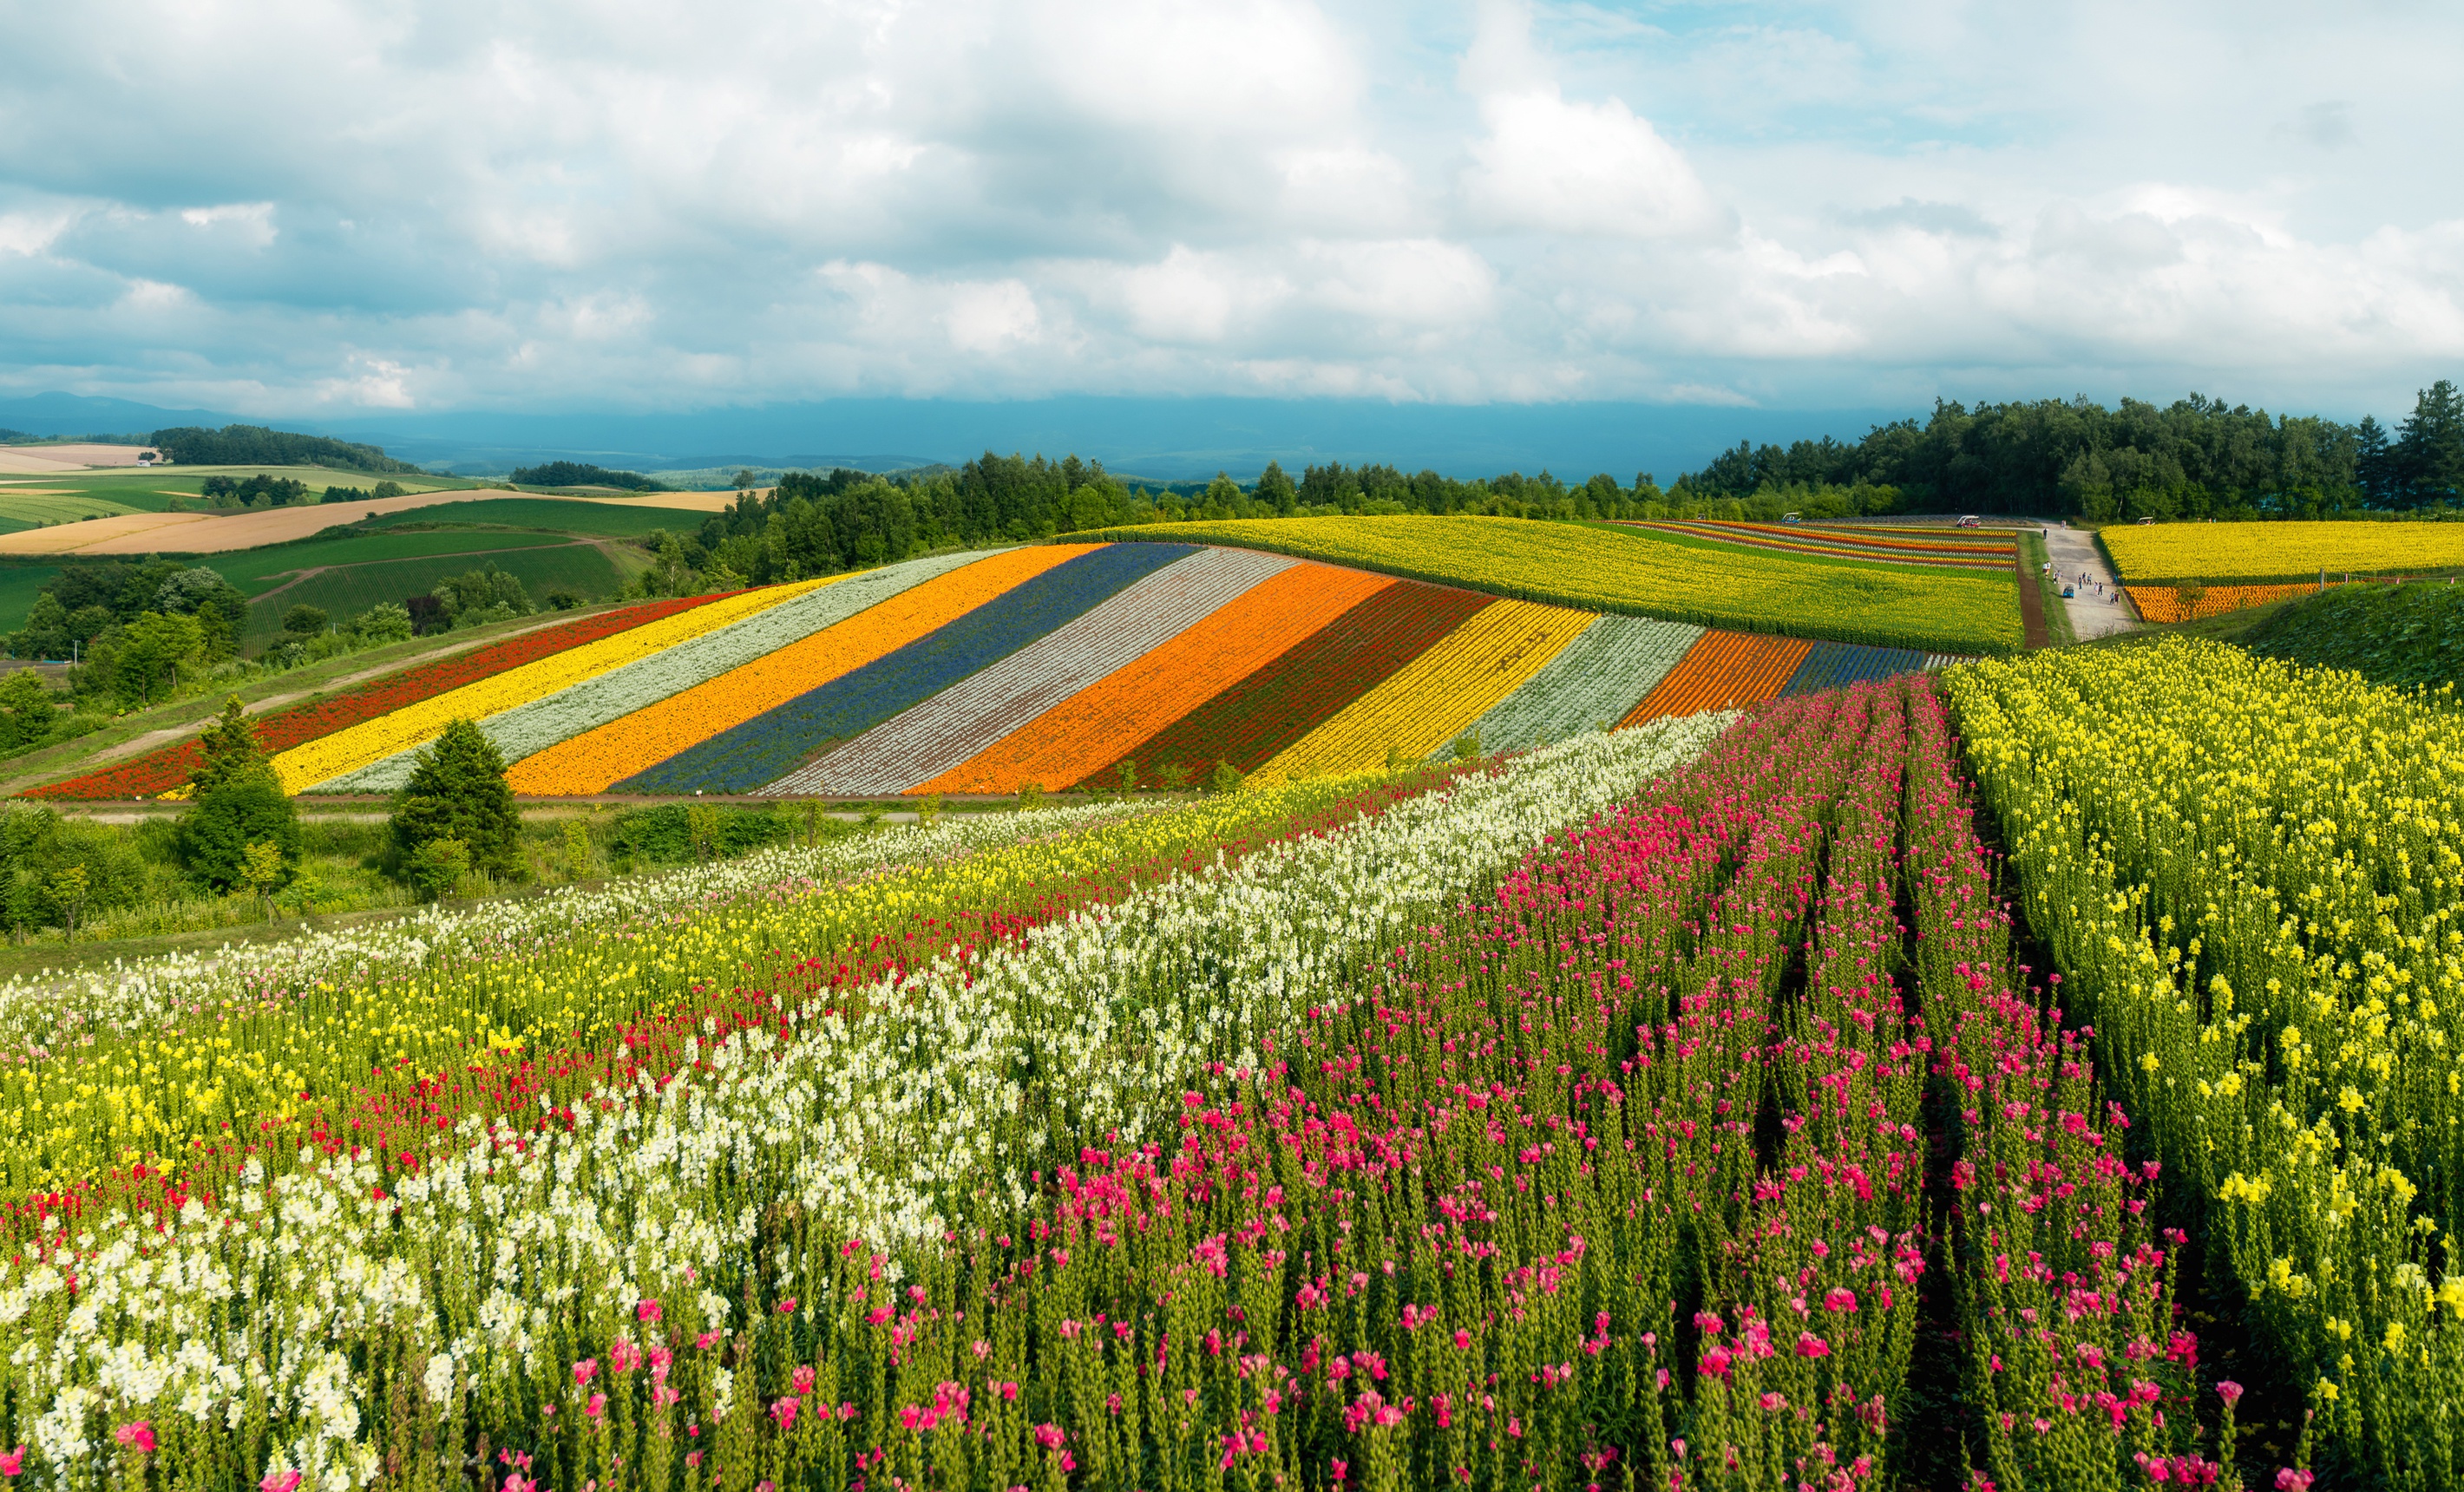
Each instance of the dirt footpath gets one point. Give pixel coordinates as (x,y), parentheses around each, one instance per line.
(2098,608)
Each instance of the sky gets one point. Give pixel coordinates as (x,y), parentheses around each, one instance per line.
(317,208)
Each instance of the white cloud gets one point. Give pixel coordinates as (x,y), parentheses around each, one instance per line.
(551,203)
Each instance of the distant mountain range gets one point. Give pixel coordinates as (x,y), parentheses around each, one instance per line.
(1163,439)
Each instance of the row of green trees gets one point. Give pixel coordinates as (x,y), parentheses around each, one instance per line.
(254,445)
(2195,458)
(816,524)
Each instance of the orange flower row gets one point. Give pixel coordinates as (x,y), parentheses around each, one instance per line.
(1099,724)
(1726,671)
(2165,602)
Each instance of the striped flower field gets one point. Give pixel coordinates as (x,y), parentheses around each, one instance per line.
(1052,666)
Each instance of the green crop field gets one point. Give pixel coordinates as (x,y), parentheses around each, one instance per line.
(597,519)
(1634,572)
(152,489)
(19,585)
(258,570)
(26,510)
(349,589)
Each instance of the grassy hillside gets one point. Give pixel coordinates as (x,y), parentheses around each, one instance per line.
(2393,634)
(599,520)
(25,509)
(255,570)
(1640,574)
(546,564)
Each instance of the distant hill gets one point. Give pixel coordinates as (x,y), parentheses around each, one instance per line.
(254,445)
(580,473)
(2391,635)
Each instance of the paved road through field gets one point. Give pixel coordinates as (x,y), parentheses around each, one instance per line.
(2097,609)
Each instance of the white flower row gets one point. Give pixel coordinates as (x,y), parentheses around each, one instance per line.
(933,1103)
(1591,682)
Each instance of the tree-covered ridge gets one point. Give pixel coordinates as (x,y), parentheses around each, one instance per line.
(580,473)
(254,445)
(2195,458)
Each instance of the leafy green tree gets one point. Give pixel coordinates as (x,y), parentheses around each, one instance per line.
(438,867)
(304,620)
(236,801)
(152,650)
(26,710)
(457,791)
(1276,489)
(262,865)
(386,621)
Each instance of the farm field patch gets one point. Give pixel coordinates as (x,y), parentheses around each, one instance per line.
(157,532)
(1431,699)
(1672,1000)
(561,514)
(1632,571)
(34,508)
(2238,554)
(167,767)
(1920,547)
(1723,671)
(1080,741)
(342,591)
(2247,872)
(258,570)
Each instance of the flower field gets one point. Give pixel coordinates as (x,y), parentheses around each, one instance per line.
(1427,701)
(1629,570)
(953,725)
(167,767)
(2160,554)
(1662,1108)
(1110,719)
(1967,549)
(597,759)
(1723,671)
(528,729)
(345,750)
(1831,664)
(2165,602)
(2251,873)
(772,745)
(1589,686)
(1294,692)
(1050,666)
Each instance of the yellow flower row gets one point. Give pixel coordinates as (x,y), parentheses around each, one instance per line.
(370,741)
(1633,571)
(2160,552)
(1436,696)
(2253,876)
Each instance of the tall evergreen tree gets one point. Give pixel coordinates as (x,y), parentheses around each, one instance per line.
(2373,463)
(2430,447)
(457,791)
